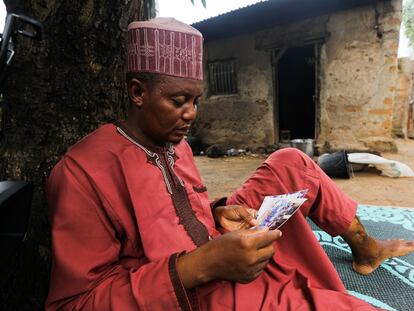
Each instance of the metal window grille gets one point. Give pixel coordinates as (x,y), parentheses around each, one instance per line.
(222,77)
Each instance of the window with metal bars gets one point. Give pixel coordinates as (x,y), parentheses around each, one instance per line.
(222,77)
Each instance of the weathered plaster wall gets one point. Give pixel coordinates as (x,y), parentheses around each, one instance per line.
(359,70)
(358,80)
(244,119)
(403,97)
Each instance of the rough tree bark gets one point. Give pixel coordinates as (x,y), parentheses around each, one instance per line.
(59,90)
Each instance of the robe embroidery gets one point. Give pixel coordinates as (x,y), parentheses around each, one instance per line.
(165,161)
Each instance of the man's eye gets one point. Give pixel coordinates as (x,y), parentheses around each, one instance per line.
(178,100)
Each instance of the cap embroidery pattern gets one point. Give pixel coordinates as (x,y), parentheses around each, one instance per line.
(170,52)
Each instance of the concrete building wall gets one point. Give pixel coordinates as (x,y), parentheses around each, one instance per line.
(244,119)
(359,78)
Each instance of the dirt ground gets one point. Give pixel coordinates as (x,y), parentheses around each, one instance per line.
(224,175)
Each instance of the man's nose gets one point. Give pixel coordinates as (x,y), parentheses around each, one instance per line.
(190,112)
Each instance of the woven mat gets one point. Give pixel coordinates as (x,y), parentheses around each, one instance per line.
(391,286)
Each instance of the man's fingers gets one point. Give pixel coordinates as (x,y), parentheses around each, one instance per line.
(253,213)
(259,267)
(265,253)
(266,238)
(248,214)
(262,236)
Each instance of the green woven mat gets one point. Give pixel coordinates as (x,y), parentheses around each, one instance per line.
(391,286)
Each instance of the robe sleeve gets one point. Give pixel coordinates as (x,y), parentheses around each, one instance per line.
(87,273)
(218,202)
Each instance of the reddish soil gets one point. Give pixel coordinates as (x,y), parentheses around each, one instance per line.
(224,175)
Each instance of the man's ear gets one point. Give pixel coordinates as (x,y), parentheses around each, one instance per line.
(135,92)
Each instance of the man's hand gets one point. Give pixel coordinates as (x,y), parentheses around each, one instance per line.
(238,256)
(235,217)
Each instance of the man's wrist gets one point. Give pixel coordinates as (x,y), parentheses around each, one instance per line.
(194,269)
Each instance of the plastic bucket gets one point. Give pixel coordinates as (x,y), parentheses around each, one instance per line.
(305,145)
(336,164)
(195,144)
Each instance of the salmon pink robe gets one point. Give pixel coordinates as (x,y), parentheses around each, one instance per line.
(122,213)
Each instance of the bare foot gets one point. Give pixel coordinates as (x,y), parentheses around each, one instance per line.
(367,252)
(368,257)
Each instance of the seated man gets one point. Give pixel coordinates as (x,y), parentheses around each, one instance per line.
(133,228)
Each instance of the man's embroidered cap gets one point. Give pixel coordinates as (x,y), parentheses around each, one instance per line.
(165,46)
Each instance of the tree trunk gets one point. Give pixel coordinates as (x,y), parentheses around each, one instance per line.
(58,90)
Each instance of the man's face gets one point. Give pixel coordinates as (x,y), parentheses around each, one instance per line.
(167,109)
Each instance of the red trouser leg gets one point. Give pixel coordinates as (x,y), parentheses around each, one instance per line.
(290,170)
(300,274)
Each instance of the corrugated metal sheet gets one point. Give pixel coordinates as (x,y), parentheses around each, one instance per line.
(236,9)
(266,14)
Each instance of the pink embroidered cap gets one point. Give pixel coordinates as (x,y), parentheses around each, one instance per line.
(165,46)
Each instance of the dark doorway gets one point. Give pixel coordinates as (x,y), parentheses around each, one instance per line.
(297,93)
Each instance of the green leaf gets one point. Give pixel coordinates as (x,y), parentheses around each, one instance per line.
(408,20)
(192,1)
(204,3)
